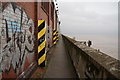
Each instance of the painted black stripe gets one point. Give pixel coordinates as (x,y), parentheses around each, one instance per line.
(40,40)
(41,53)
(41,26)
(42,64)
(54,40)
(54,31)
(54,36)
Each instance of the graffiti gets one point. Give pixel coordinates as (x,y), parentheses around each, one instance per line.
(91,71)
(16,38)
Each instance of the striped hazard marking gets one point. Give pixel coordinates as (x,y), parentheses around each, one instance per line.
(57,36)
(41,43)
(54,36)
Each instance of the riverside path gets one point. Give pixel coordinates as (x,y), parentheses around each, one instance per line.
(60,65)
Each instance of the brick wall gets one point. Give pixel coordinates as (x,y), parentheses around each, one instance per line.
(22,55)
(14,68)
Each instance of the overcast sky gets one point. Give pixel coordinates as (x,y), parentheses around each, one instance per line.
(78,17)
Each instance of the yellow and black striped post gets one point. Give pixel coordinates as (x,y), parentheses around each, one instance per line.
(57,35)
(54,37)
(41,43)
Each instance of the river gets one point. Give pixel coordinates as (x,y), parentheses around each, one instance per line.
(107,44)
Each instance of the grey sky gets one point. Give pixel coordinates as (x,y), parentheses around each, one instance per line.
(89,17)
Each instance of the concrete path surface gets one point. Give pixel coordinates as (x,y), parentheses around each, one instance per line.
(60,65)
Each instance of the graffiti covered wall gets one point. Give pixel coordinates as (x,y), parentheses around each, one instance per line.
(16,38)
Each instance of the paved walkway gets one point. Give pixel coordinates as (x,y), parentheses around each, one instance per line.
(60,65)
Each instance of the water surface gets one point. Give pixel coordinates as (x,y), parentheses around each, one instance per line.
(107,44)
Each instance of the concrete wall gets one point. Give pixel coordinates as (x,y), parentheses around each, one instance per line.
(90,63)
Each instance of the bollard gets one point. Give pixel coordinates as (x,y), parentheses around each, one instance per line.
(41,43)
(57,35)
(54,37)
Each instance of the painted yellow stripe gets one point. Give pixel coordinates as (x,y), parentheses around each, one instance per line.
(54,42)
(54,38)
(39,22)
(40,60)
(54,33)
(41,33)
(41,46)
